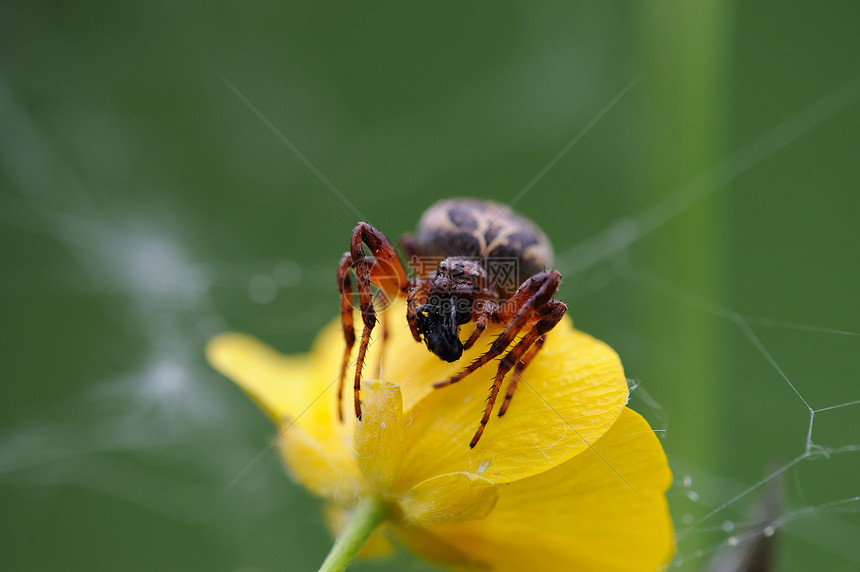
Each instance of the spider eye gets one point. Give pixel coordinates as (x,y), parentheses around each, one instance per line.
(457,271)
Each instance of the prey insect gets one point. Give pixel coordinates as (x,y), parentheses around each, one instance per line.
(468,238)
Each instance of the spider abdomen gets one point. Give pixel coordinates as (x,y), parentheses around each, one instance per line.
(511,247)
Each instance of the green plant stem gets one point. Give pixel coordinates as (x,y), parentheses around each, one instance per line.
(685,58)
(369,514)
(686,54)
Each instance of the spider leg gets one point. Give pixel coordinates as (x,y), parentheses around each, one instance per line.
(416,296)
(344,287)
(552,314)
(515,378)
(386,271)
(532,294)
(487,312)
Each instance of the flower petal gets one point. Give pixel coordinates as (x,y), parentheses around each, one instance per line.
(449,498)
(434,549)
(379,437)
(569,396)
(318,466)
(286,387)
(603,510)
(277,383)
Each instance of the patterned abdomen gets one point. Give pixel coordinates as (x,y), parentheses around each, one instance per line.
(511,246)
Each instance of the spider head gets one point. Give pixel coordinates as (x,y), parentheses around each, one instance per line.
(449,305)
(439,331)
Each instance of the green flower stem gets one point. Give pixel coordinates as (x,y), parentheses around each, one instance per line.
(369,514)
(686,52)
(685,62)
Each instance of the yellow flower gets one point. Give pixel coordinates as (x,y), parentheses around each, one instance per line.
(568,479)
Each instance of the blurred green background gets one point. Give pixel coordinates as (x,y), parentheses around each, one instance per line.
(706,227)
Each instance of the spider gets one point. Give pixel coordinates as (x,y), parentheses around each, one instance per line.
(472,242)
